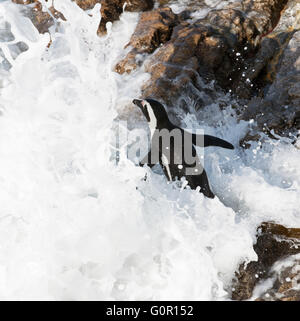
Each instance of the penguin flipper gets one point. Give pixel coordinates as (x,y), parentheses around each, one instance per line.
(215,141)
(207,140)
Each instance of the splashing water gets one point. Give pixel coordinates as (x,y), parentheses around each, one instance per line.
(73,225)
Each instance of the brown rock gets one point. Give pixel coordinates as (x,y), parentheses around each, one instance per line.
(139,5)
(190,5)
(24,1)
(153,29)
(163,2)
(110,11)
(201,49)
(265,13)
(87,4)
(212,48)
(42,20)
(274,242)
(286,284)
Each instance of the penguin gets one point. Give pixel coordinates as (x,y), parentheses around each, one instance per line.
(170,152)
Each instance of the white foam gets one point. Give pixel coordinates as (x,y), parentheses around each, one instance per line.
(73,225)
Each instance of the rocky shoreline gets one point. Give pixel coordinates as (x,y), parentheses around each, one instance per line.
(250,49)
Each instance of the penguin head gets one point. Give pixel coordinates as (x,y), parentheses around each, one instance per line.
(153,110)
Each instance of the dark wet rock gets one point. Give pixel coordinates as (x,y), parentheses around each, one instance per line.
(261,69)
(274,243)
(273,76)
(264,13)
(112,9)
(139,5)
(278,110)
(285,88)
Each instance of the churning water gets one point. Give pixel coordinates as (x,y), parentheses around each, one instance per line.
(73,224)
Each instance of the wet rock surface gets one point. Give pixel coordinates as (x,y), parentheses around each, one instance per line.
(214,48)
(24,1)
(41,18)
(286,283)
(154,28)
(110,11)
(87,4)
(274,243)
(276,68)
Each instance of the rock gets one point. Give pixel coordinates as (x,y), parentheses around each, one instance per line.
(264,13)
(274,242)
(154,28)
(261,69)
(163,2)
(286,286)
(202,48)
(112,9)
(42,20)
(24,1)
(279,109)
(139,5)
(271,80)
(213,48)
(188,5)
(87,4)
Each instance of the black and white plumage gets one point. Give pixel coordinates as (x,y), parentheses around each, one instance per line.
(171,155)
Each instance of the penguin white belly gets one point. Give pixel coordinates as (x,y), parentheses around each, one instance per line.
(153,121)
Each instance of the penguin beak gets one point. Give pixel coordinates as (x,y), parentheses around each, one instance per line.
(144,110)
(138,103)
